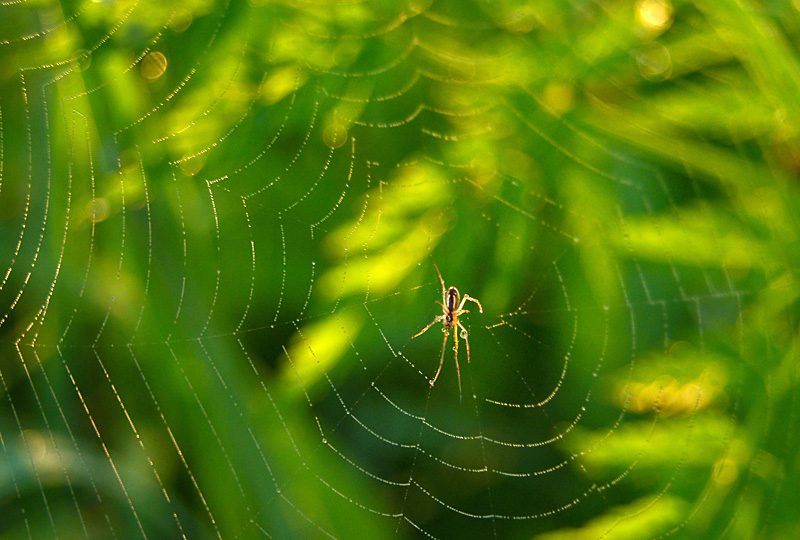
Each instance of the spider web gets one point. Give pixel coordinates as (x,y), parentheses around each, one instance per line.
(218,222)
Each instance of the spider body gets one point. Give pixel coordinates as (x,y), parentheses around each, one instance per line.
(452,302)
(452,308)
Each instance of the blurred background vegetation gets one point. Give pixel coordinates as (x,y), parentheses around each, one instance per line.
(217,221)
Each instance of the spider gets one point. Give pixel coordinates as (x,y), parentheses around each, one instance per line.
(452,309)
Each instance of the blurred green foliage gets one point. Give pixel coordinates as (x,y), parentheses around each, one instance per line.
(216,226)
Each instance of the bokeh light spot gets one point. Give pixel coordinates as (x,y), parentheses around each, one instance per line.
(655,62)
(99,210)
(335,135)
(154,65)
(419,6)
(181,20)
(191,167)
(725,471)
(521,20)
(558,97)
(654,15)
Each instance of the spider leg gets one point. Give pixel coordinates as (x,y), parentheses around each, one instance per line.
(441,360)
(458,370)
(444,289)
(434,321)
(471,299)
(466,337)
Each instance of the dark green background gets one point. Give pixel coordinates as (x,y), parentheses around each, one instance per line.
(217,222)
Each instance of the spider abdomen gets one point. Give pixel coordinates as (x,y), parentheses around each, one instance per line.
(452,299)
